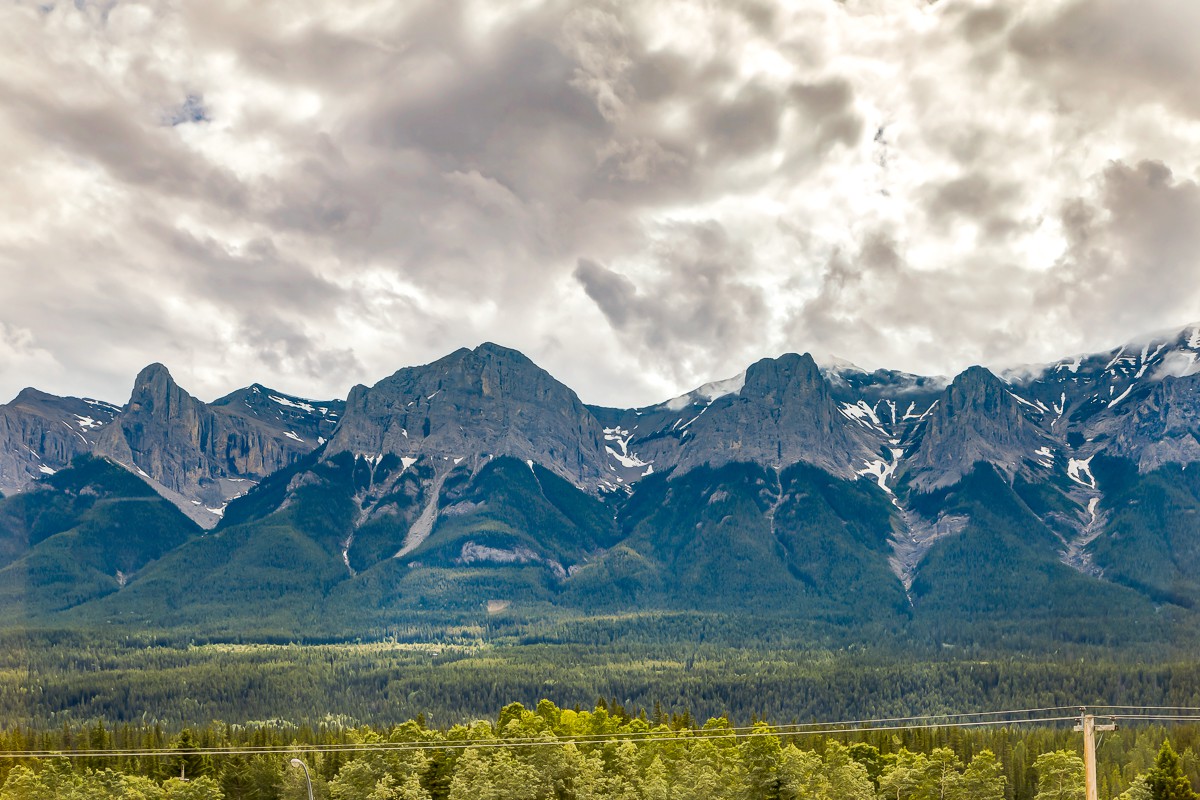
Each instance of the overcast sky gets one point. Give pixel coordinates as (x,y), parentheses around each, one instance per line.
(641,196)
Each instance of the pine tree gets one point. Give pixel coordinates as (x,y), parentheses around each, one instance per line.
(1166,780)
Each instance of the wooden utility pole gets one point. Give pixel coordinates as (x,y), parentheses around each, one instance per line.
(1087,724)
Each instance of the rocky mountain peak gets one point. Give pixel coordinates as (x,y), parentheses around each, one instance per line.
(977,419)
(782,415)
(488,401)
(152,373)
(200,456)
(154,388)
(789,375)
(31,396)
(492,370)
(976,389)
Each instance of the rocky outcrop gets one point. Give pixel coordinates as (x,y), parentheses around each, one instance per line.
(1163,427)
(977,419)
(783,414)
(490,401)
(201,455)
(40,434)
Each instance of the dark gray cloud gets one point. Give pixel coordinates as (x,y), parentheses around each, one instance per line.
(976,198)
(133,154)
(981,22)
(1134,249)
(829,113)
(692,305)
(1098,50)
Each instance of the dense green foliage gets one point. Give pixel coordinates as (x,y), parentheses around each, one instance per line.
(80,537)
(1001,582)
(1167,781)
(740,556)
(606,752)
(47,679)
(1152,519)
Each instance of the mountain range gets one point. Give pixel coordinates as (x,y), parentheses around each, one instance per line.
(1034,505)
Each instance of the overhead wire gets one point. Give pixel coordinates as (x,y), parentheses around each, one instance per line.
(798,728)
(740,733)
(1150,708)
(878,724)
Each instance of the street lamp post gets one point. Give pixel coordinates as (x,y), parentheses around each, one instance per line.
(295,762)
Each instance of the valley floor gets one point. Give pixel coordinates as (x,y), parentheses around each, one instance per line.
(52,678)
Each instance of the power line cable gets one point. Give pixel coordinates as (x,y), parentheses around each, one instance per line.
(742,733)
(400,747)
(800,728)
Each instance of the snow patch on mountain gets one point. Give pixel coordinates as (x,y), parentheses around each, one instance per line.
(1121,396)
(621,438)
(1071,365)
(882,470)
(1044,456)
(86,423)
(283,401)
(1077,468)
(862,413)
(1036,406)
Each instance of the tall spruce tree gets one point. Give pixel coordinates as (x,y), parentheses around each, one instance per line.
(1166,779)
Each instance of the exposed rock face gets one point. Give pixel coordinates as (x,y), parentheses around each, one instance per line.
(977,419)
(487,401)
(275,415)
(783,414)
(204,455)
(41,433)
(1163,427)
(167,435)
(1137,401)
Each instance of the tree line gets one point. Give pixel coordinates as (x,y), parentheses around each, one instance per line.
(552,753)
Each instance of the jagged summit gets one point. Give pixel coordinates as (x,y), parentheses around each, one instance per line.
(781,413)
(488,401)
(977,419)
(200,456)
(478,403)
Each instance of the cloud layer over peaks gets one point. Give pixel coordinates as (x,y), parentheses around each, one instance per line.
(641,196)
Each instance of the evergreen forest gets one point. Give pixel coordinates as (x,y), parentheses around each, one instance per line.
(605,751)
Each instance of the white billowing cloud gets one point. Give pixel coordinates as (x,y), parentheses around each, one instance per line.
(22,361)
(640,196)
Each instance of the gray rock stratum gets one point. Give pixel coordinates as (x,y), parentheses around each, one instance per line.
(490,401)
(977,419)
(40,433)
(200,456)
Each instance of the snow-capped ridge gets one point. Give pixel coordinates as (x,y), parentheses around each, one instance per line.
(707,392)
